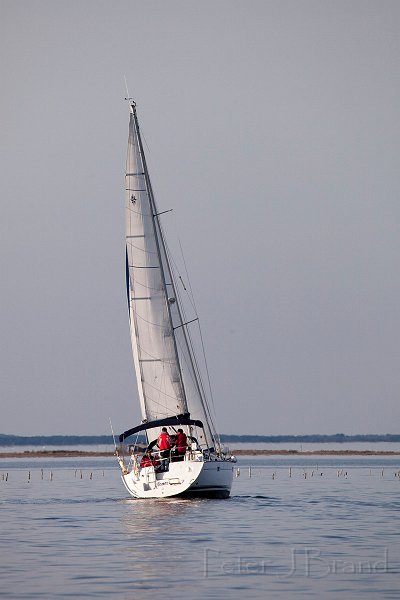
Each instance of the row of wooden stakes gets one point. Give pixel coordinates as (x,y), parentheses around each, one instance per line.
(79,473)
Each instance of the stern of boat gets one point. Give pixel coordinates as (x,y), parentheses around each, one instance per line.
(190,477)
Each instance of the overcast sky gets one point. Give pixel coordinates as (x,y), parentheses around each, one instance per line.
(273,132)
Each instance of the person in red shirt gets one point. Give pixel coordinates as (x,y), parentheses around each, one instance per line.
(180,444)
(146,461)
(149,461)
(164,442)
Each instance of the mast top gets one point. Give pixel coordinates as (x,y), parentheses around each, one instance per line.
(132,105)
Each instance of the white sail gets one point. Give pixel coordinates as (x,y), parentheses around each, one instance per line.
(168,378)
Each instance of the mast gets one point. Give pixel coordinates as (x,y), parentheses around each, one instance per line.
(167,372)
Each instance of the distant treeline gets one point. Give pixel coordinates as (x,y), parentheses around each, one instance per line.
(54,440)
(310,439)
(85,440)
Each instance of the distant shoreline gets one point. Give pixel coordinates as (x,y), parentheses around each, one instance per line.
(59,441)
(241,452)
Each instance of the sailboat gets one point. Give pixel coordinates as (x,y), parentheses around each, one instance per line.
(173,399)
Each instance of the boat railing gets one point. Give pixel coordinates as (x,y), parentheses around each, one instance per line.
(158,458)
(160,461)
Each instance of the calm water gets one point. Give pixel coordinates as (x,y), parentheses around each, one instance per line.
(329,530)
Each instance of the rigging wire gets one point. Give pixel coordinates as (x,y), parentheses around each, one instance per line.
(193,303)
(199,325)
(195,371)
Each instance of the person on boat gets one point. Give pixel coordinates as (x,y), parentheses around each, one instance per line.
(149,461)
(180,445)
(164,443)
(146,461)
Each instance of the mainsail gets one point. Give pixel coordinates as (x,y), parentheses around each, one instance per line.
(168,376)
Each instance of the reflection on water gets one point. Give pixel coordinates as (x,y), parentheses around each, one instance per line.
(158,534)
(155,515)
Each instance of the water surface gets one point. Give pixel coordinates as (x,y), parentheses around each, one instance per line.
(294,527)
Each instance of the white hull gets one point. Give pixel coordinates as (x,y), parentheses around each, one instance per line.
(189,478)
